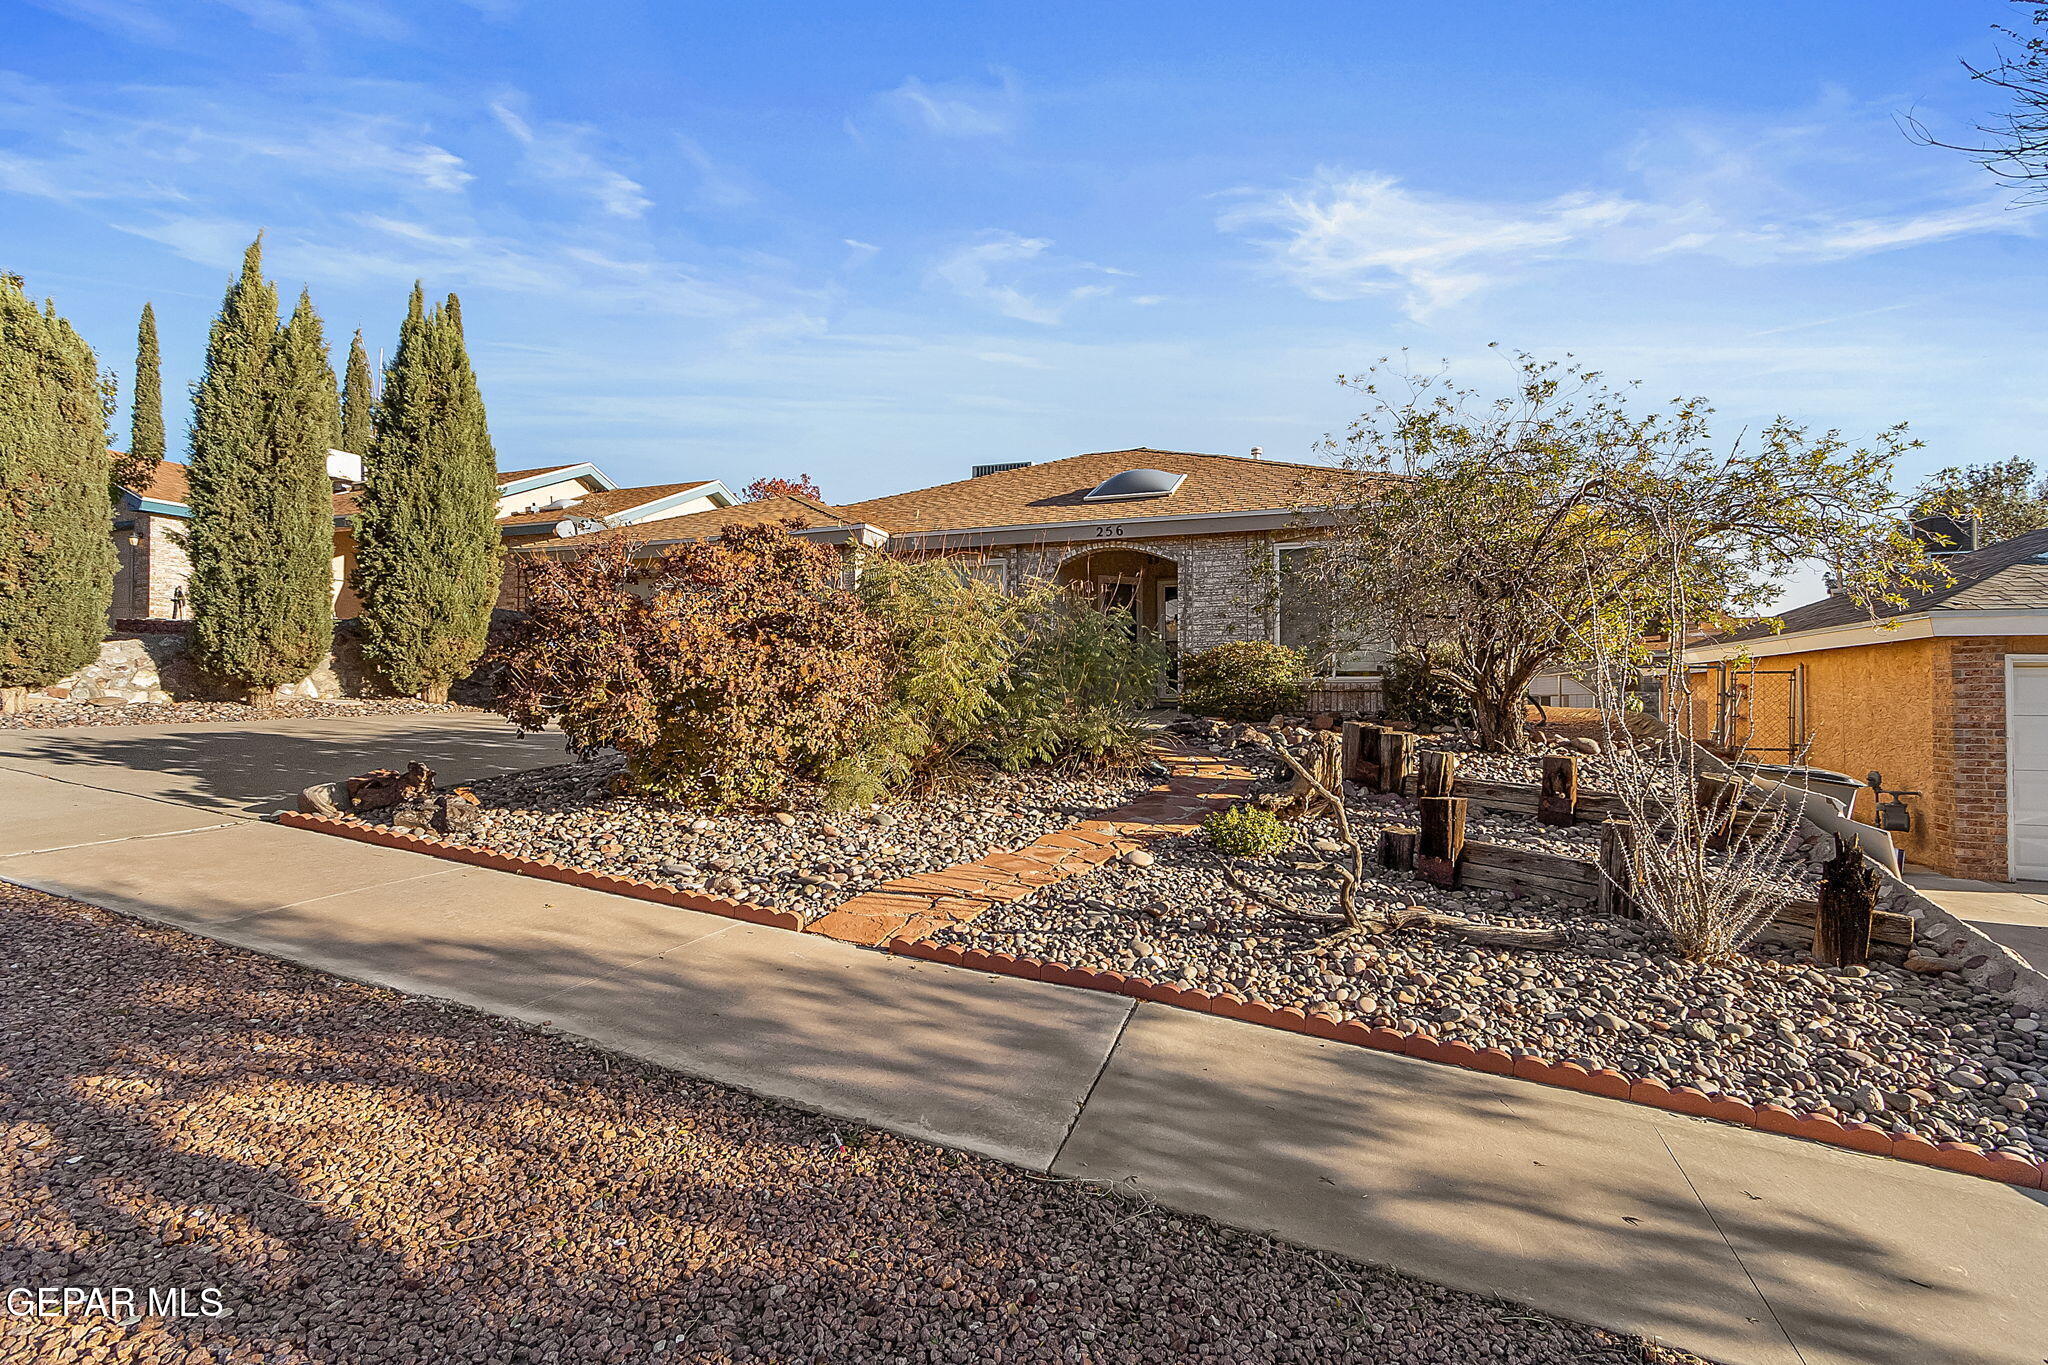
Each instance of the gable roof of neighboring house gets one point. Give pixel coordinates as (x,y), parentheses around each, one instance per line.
(170,494)
(609,503)
(1056,491)
(2011,575)
(808,513)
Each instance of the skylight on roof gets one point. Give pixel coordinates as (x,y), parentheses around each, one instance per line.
(1134,483)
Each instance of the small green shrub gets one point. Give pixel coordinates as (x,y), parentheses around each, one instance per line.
(1080,679)
(1014,679)
(1246,831)
(1244,680)
(1411,690)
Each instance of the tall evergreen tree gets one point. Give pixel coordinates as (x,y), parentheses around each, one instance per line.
(355,400)
(146,423)
(428,556)
(261,540)
(56,560)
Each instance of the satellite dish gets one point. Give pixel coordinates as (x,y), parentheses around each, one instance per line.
(578,526)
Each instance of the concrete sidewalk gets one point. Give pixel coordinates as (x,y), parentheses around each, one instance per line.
(1740,1245)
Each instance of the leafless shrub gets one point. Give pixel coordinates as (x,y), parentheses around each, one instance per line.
(1680,800)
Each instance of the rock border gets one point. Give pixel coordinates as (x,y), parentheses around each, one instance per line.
(546,869)
(897,917)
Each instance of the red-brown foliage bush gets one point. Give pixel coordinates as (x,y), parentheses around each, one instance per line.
(722,671)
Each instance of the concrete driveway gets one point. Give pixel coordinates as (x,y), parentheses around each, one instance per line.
(242,770)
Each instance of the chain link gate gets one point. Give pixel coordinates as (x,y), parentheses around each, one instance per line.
(1757,712)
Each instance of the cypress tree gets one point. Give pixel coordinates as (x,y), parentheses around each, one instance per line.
(261,540)
(56,559)
(355,400)
(427,548)
(146,422)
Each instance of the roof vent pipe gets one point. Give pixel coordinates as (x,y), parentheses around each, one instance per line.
(1258,452)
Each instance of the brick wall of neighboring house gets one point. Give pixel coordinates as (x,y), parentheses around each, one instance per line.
(1969,802)
(150,571)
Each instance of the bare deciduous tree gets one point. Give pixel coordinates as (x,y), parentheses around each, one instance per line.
(2015,143)
(1509,529)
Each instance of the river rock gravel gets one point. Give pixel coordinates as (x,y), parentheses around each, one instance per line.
(1906,1050)
(56,714)
(365,1178)
(803,858)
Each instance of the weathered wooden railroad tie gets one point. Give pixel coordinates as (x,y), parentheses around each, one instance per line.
(1842,924)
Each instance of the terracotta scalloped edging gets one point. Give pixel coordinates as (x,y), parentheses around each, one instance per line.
(1964,1157)
(1853,1135)
(544,869)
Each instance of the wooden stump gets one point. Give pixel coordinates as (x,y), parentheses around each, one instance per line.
(1355,748)
(1716,794)
(1617,874)
(1397,756)
(1441,840)
(1436,773)
(1557,803)
(1367,771)
(1397,848)
(1848,903)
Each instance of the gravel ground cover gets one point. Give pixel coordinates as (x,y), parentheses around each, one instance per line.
(804,859)
(1907,1050)
(49,715)
(366,1178)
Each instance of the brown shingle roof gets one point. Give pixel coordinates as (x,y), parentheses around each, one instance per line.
(2011,575)
(1053,492)
(708,523)
(603,503)
(168,485)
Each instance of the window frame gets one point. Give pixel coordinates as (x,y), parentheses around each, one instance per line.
(1277,547)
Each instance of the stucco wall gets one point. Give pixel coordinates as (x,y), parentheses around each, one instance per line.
(1930,715)
(1872,707)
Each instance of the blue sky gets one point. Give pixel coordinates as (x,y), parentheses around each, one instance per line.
(879,243)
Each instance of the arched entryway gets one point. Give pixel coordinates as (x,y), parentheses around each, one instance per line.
(1145,585)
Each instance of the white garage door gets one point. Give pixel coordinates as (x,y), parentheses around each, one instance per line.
(2026,756)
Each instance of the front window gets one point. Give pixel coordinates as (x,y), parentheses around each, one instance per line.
(1303,620)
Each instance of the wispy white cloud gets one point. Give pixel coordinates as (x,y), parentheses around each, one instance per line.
(302,22)
(137,20)
(1018,277)
(561,154)
(1776,199)
(959,109)
(160,139)
(1347,236)
(718,185)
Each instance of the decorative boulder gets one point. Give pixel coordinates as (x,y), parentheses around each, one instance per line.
(325,798)
(385,788)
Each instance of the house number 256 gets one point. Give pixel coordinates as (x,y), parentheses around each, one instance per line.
(1109,532)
